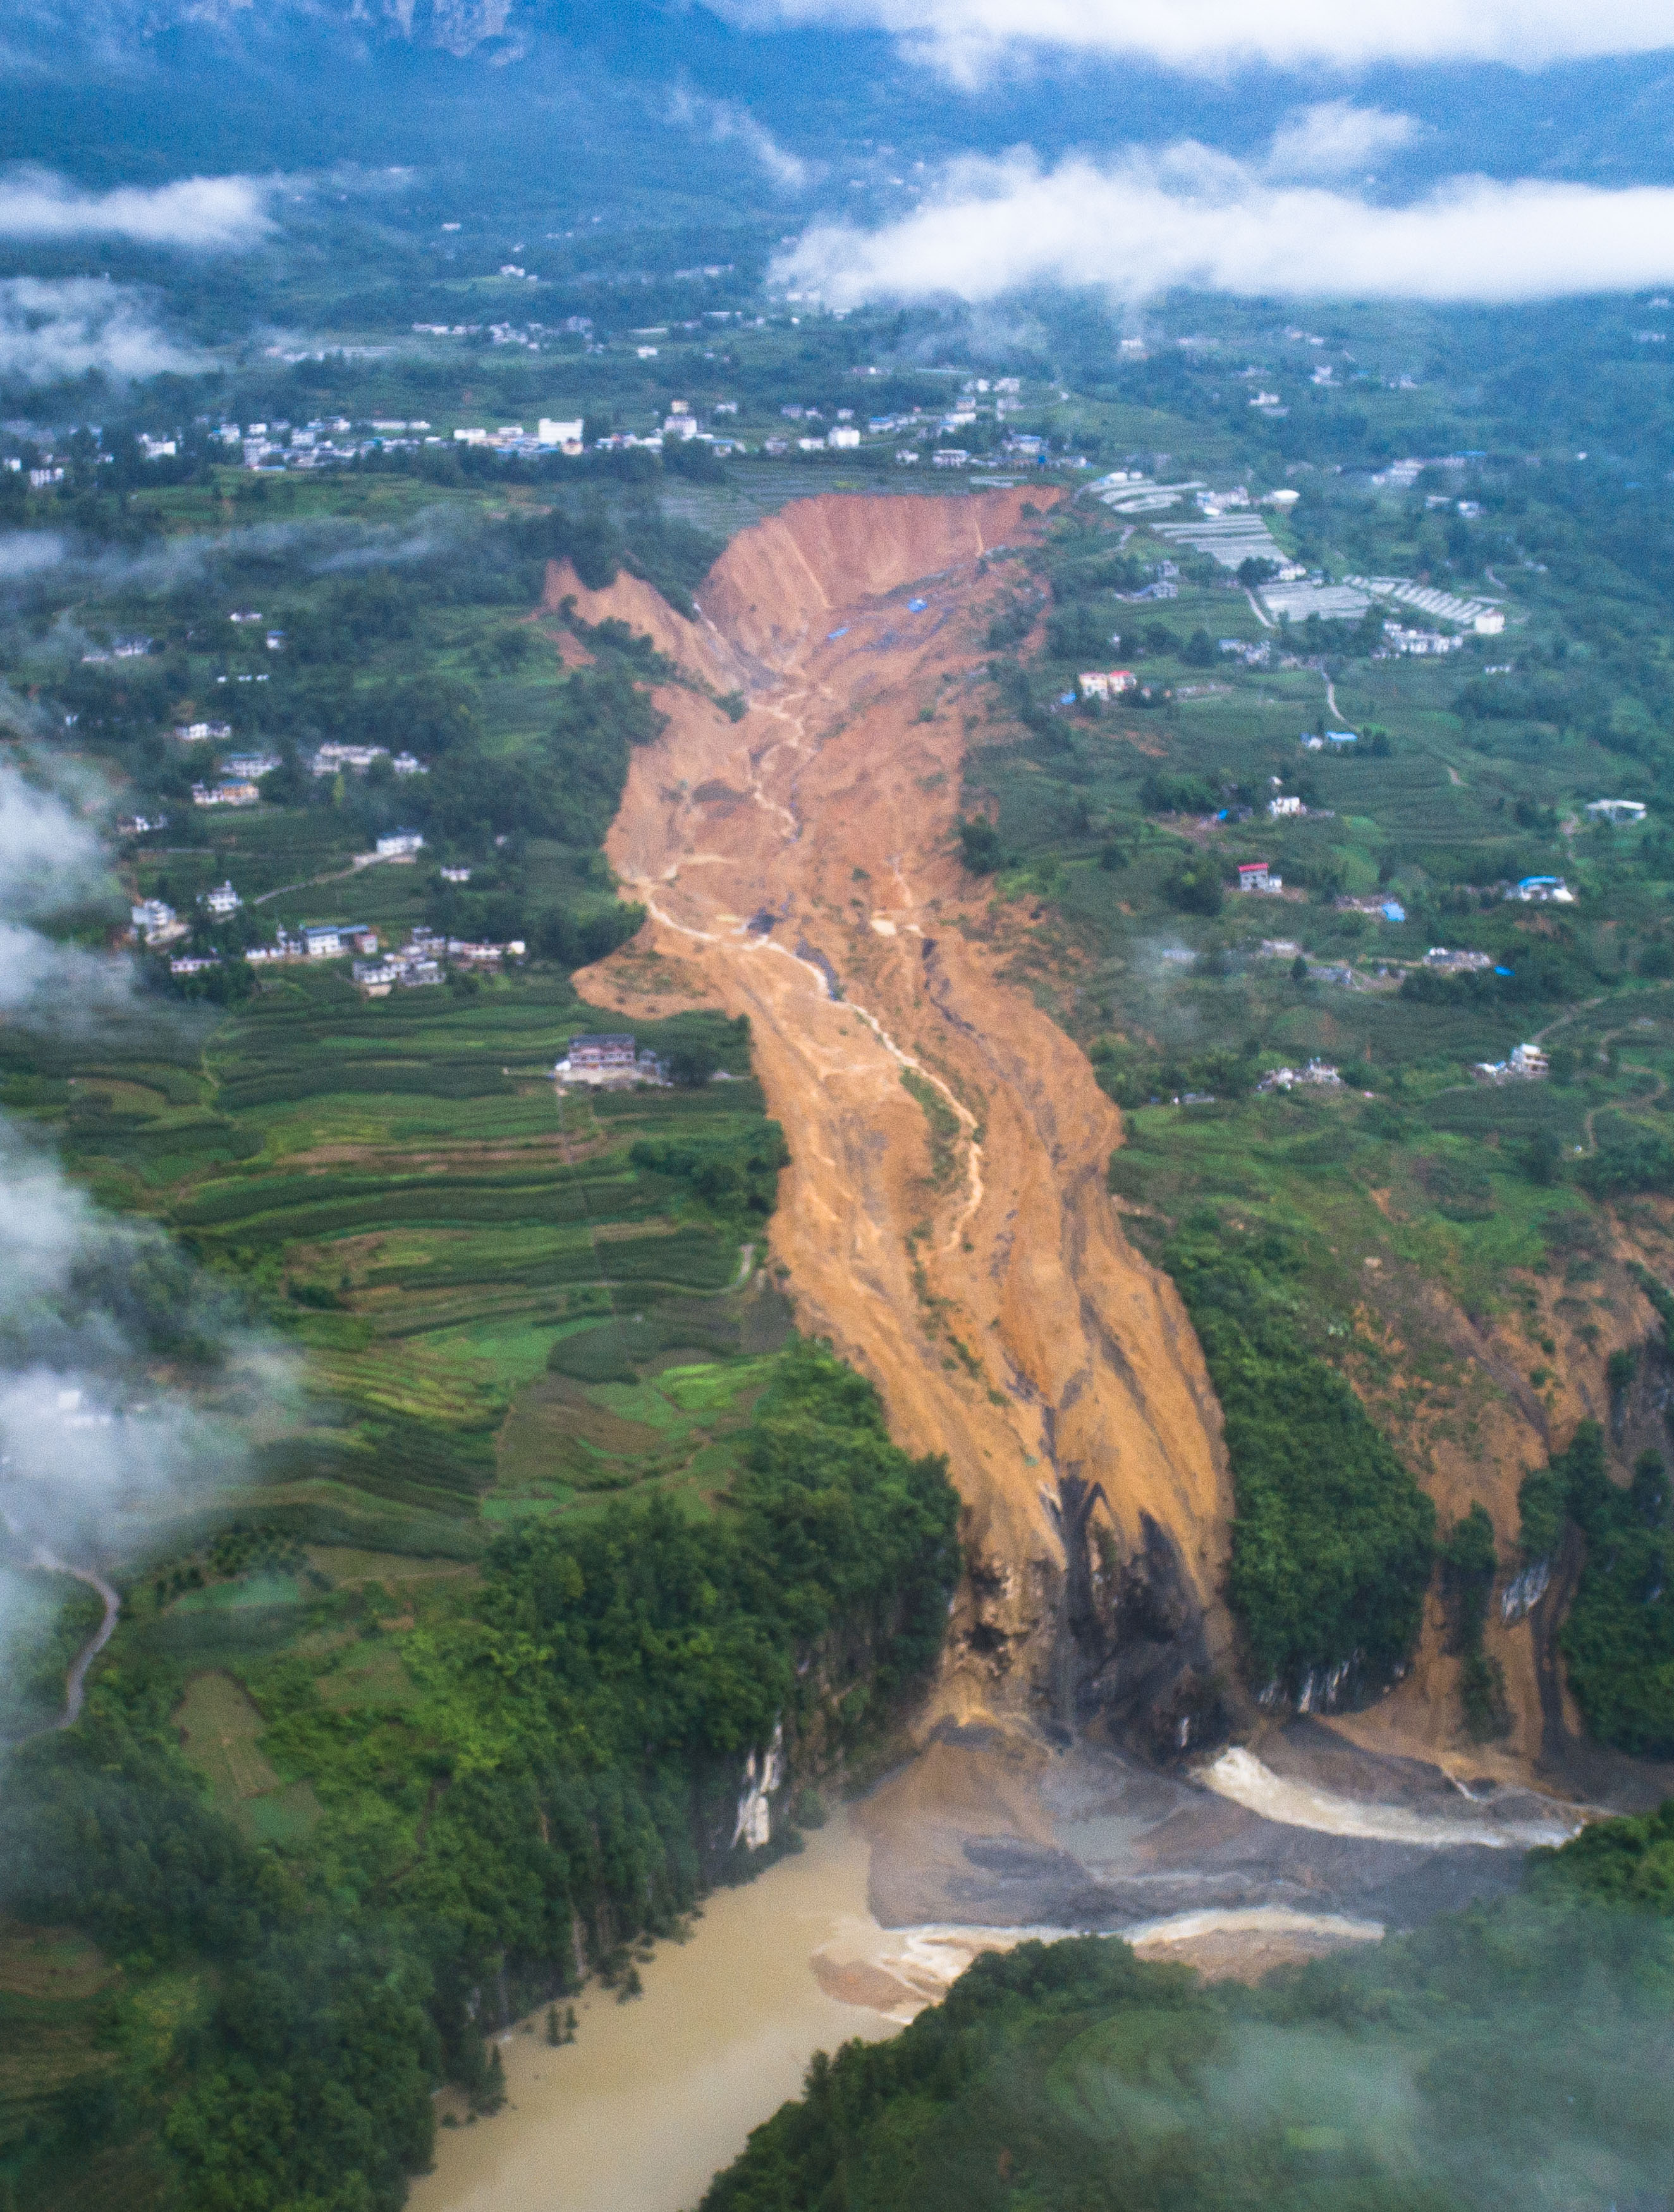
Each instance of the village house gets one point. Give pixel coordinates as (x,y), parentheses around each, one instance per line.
(203,733)
(330,940)
(400,845)
(1448,962)
(1616,810)
(1318,1075)
(222,900)
(609,1061)
(1284,805)
(1527,1064)
(155,922)
(1258,876)
(1106,683)
(239,793)
(1542,890)
(249,768)
(331,758)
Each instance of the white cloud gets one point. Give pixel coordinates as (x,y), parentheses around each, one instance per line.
(221,213)
(725,121)
(1337,139)
(64,326)
(966,37)
(1194,218)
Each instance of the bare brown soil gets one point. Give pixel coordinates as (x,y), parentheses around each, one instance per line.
(945,1219)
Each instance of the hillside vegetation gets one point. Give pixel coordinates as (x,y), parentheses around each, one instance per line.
(1410,1283)
(1074,2077)
(536,1516)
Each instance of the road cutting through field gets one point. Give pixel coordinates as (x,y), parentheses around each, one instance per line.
(945,1220)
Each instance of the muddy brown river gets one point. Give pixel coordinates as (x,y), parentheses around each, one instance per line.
(1235,1869)
(653,2096)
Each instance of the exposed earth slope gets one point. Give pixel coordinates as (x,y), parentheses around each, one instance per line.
(945,1220)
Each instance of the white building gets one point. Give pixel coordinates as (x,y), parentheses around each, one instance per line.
(1616,810)
(204,734)
(566,434)
(222,900)
(154,921)
(1284,803)
(331,758)
(844,434)
(330,940)
(242,793)
(399,845)
(1106,683)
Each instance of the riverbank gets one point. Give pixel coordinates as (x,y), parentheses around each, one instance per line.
(967,1849)
(655,2096)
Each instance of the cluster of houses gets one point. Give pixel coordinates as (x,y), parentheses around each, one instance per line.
(1318,1075)
(1106,683)
(1527,1064)
(335,759)
(420,961)
(1399,640)
(609,1062)
(316,940)
(1447,960)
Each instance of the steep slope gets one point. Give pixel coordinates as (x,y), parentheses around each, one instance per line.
(945,1220)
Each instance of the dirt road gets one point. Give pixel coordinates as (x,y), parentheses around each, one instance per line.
(945,1220)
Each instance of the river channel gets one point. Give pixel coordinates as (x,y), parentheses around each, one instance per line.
(654,2095)
(1233,1868)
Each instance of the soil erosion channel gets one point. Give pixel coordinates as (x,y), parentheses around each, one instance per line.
(945,1220)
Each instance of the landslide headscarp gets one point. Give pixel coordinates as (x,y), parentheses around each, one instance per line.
(945,1219)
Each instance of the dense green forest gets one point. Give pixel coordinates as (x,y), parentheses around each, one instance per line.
(1514,2053)
(1332,1539)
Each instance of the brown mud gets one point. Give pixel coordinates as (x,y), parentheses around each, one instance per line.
(945,1220)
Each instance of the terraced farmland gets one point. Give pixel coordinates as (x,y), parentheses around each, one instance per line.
(472,1268)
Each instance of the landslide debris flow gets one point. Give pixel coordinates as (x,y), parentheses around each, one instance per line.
(945,1220)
